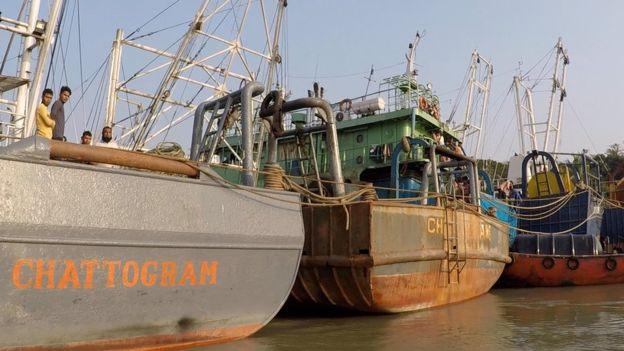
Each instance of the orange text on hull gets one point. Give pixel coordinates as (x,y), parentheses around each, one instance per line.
(30,273)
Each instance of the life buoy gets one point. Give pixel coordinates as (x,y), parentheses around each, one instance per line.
(548,262)
(422,103)
(339,116)
(610,264)
(573,263)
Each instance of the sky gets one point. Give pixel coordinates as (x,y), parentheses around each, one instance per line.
(336,42)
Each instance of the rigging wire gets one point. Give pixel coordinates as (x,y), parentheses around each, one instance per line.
(58,39)
(460,95)
(138,29)
(6,52)
(348,75)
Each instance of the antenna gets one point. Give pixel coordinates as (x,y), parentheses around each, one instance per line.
(411,56)
(369,79)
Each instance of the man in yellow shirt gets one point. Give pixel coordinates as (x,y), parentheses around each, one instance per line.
(45,123)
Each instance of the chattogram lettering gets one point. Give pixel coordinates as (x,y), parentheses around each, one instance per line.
(51,274)
(435,225)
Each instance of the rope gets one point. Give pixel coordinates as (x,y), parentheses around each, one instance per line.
(170,149)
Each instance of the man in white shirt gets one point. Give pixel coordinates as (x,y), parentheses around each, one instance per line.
(107,139)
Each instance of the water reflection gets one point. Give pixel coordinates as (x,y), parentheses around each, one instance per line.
(571,318)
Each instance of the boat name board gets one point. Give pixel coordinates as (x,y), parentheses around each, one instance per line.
(50,274)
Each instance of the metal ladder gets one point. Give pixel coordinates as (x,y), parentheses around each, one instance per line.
(454,260)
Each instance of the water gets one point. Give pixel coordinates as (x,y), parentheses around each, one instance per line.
(571,318)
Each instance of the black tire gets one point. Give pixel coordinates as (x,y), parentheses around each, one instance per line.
(548,262)
(610,264)
(573,264)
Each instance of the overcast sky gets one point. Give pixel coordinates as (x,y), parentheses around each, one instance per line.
(338,41)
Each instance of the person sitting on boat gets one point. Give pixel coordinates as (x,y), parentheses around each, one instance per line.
(457,147)
(45,123)
(107,139)
(438,137)
(57,112)
(465,186)
(505,189)
(86,138)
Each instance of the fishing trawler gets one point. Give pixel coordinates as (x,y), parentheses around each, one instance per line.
(386,227)
(151,253)
(559,241)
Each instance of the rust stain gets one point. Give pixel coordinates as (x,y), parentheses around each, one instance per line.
(341,266)
(181,341)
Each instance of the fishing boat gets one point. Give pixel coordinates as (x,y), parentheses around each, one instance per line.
(559,219)
(158,253)
(386,229)
(153,252)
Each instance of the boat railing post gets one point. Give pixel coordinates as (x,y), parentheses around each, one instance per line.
(434,172)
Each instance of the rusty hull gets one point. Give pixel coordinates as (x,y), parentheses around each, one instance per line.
(383,257)
(527,270)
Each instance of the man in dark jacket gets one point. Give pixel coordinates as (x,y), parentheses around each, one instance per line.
(57,112)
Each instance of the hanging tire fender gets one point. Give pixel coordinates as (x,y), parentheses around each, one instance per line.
(573,263)
(548,262)
(610,264)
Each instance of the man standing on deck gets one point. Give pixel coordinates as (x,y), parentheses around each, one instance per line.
(58,113)
(86,137)
(107,139)
(45,124)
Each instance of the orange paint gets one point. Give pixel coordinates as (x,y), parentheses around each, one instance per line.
(89,266)
(125,274)
(28,273)
(208,269)
(147,278)
(168,273)
(110,266)
(17,270)
(188,274)
(70,275)
(48,272)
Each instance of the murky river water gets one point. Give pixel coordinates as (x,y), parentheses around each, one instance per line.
(574,318)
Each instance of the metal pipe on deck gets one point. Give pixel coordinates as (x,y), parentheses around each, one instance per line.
(244,97)
(124,158)
(335,167)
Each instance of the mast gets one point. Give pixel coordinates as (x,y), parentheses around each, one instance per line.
(168,81)
(37,34)
(113,77)
(28,45)
(477,100)
(551,127)
(212,58)
(524,110)
(44,50)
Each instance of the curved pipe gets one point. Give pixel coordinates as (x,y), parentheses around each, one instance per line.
(335,166)
(244,97)
(249,91)
(532,156)
(394,165)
